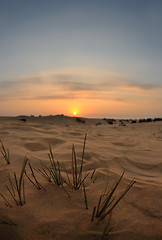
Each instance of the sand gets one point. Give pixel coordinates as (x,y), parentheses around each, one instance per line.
(110,149)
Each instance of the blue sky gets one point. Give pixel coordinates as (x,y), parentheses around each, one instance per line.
(108,50)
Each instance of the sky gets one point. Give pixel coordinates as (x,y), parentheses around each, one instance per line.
(98,58)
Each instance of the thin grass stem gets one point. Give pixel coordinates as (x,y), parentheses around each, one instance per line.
(81,166)
(93,173)
(5,153)
(44,174)
(36,183)
(20,189)
(93,214)
(6,201)
(12,185)
(12,195)
(85,197)
(107,228)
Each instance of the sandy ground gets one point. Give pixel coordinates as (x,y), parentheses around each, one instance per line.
(110,149)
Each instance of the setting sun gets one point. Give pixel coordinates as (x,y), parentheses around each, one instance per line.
(75,113)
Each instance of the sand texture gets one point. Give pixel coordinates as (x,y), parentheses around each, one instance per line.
(110,149)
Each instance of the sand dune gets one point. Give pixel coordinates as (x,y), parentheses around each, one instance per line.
(110,149)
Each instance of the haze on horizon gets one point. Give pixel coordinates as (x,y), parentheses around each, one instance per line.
(97,58)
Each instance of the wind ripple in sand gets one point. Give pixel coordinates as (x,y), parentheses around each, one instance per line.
(52,214)
(148,211)
(146,166)
(139,168)
(37,146)
(62,230)
(53,141)
(76,133)
(121,144)
(3,133)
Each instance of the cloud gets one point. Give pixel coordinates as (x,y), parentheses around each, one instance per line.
(145,86)
(73,84)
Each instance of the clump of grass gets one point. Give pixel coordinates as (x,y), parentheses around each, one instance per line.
(45,173)
(34,180)
(77,173)
(52,173)
(55,170)
(107,201)
(5,152)
(17,188)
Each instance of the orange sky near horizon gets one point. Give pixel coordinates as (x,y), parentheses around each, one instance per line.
(83,108)
(89,92)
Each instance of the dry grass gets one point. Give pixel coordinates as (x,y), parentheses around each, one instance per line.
(5,152)
(54,169)
(77,172)
(107,201)
(33,178)
(17,187)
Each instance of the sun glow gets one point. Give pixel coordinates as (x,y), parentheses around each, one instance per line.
(75,113)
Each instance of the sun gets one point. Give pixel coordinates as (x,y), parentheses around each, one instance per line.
(75,113)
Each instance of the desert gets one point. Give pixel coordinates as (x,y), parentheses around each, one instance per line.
(112,148)
(81,120)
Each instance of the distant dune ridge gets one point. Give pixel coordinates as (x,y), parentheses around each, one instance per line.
(112,147)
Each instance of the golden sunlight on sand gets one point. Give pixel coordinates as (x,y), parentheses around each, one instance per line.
(69,200)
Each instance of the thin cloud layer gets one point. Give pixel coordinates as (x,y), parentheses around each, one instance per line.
(74,84)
